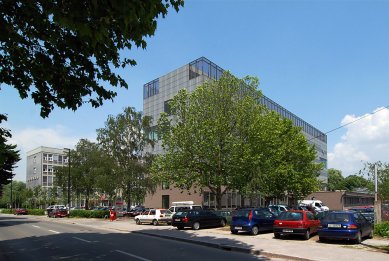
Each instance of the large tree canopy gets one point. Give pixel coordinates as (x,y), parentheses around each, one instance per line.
(62,51)
(220,138)
(124,138)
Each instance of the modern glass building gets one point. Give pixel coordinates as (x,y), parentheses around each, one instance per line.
(157,94)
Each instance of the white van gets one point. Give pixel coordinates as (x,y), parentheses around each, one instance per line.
(317,204)
(183,205)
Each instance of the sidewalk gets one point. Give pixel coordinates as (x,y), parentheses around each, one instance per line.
(262,244)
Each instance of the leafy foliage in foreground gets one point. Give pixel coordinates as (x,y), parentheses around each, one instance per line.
(62,52)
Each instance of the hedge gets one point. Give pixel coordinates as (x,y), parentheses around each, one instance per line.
(35,211)
(89,213)
(382,229)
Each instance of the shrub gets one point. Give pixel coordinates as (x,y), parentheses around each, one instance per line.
(382,229)
(89,213)
(36,212)
(7,211)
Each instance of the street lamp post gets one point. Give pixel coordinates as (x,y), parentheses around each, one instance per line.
(68,178)
(11,192)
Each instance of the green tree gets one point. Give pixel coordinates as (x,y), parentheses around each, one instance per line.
(62,52)
(283,161)
(124,139)
(19,195)
(354,182)
(335,180)
(219,137)
(9,156)
(382,174)
(86,164)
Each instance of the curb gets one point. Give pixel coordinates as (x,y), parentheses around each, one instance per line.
(225,247)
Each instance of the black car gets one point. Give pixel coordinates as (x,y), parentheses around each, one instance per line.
(197,219)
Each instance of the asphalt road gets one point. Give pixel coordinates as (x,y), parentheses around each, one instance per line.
(25,238)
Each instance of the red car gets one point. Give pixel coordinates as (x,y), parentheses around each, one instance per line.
(296,222)
(60,212)
(21,211)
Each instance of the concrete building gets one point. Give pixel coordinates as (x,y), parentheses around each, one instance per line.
(341,199)
(40,166)
(157,94)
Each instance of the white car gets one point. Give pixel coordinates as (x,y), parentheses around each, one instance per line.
(154,216)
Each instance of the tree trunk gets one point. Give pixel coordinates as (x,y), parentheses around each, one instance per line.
(219,196)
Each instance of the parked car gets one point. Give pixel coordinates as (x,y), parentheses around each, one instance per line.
(197,219)
(317,205)
(136,211)
(367,212)
(277,209)
(51,208)
(252,220)
(58,212)
(20,211)
(296,222)
(184,205)
(224,213)
(346,225)
(154,216)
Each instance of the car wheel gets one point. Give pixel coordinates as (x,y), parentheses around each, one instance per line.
(277,235)
(358,240)
(137,221)
(234,231)
(307,235)
(196,226)
(180,227)
(222,223)
(322,239)
(254,231)
(155,222)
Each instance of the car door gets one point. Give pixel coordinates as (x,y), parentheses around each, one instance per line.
(363,223)
(312,223)
(143,215)
(265,219)
(150,216)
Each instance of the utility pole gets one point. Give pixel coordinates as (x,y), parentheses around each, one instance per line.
(377,203)
(68,180)
(11,192)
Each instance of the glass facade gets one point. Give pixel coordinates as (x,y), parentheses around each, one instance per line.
(203,66)
(151,89)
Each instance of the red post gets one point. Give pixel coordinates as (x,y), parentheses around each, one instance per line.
(112,215)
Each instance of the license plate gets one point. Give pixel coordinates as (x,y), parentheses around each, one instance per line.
(335,225)
(177,219)
(287,230)
(238,227)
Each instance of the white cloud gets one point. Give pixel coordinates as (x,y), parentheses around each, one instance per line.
(30,138)
(366,139)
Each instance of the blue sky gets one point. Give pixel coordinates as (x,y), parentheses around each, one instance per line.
(325,61)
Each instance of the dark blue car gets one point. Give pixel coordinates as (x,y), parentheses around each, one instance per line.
(252,220)
(345,225)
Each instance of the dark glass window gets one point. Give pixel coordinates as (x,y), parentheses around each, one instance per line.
(150,89)
(166,107)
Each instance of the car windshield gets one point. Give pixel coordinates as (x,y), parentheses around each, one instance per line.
(290,216)
(242,213)
(337,217)
(181,214)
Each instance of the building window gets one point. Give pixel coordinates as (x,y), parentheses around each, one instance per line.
(165,201)
(167,108)
(203,66)
(151,89)
(34,160)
